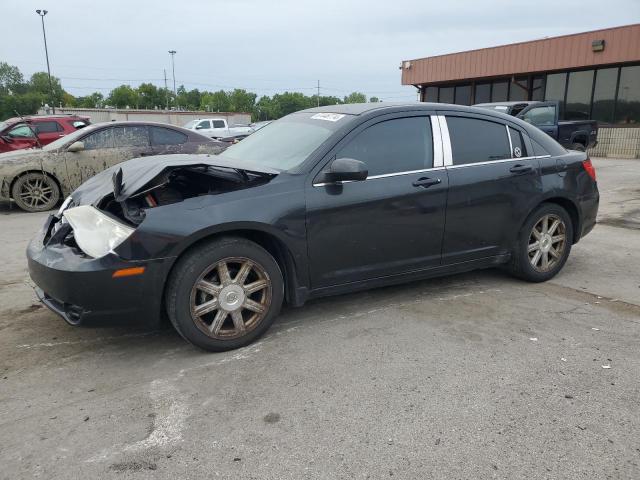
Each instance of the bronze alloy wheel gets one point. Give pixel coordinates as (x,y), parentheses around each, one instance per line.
(547,242)
(230,298)
(35,192)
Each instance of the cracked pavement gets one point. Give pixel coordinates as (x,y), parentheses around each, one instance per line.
(469,376)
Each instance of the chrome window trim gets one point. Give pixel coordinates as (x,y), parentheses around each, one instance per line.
(446,141)
(510,143)
(384,175)
(436,135)
(489,162)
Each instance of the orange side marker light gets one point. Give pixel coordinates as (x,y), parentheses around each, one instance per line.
(128,272)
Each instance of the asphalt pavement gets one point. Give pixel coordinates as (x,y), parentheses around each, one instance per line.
(469,376)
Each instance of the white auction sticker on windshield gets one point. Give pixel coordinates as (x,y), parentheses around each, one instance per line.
(330,117)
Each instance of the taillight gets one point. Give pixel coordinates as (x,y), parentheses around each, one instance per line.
(589,168)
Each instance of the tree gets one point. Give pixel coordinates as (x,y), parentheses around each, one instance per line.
(241,101)
(122,97)
(215,102)
(95,100)
(150,96)
(374,100)
(11,80)
(355,97)
(39,83)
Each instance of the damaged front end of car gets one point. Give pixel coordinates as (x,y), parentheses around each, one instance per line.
(94,253)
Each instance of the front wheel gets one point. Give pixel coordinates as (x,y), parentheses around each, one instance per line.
(224,294)
(35,192)
(543,244)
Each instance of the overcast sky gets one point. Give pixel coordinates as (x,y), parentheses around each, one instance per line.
(277,45)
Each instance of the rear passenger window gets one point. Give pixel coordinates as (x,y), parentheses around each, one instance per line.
(393,146)
(517,144)
(47,127)
(474,140)
(166,136)
(218,123)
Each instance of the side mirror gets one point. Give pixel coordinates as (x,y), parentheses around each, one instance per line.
(75,147)
(199,127)
(345,170)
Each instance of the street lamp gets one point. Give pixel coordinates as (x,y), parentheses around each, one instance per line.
(173,68)
(42,13)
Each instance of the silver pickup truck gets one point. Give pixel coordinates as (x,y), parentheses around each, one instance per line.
(217,128)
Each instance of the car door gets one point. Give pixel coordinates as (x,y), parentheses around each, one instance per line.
(48,131)
(390,223)
(543,115)
(219,129)
(104,148)
(167,140)
(19,137)
(203,127)
(494,180)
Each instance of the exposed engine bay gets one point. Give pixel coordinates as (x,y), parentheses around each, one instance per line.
(177,184)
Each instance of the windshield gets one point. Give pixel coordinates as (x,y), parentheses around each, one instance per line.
(286,143)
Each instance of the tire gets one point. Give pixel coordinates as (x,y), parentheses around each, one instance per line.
(215,309)
(528,262)
(578,146)
(35,192)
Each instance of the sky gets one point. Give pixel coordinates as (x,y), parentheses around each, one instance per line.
(278,45)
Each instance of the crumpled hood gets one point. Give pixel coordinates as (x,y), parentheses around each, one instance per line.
(20,155)
(138,172)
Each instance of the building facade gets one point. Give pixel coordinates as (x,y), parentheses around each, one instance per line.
(593,75)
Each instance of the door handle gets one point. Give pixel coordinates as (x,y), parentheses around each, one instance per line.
(426,182)
(520,169)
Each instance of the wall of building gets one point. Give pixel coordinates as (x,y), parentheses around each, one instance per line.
(618,143)
(98,115)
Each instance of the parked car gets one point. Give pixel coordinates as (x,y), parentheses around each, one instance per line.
(36,179)
(573,134)
(217,128)
(37,130)
(324,201)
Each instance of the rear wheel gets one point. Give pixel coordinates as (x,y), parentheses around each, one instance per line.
(543,245)
(35,192)
(225,294)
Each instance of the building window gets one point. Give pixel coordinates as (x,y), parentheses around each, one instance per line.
(431,94)
(483,93)
(537,88)
(500,91)
(446,95)
(555,88)
(579,95)
(463,95)
(604,95)
(628,105)
(519,90)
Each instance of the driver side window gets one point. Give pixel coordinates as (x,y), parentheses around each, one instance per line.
(203,125)
(100,139)
(21,131)
(393,146)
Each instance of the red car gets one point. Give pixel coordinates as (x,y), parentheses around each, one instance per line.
(18,133)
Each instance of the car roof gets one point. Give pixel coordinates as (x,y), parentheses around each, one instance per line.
(357,109)
(507,104)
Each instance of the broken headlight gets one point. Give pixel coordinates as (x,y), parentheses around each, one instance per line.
(95,233)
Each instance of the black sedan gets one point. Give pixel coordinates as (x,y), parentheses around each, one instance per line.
(323,201)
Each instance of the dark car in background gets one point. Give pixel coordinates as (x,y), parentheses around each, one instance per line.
(324,201)
(572,134)
(37,130)
(36,179)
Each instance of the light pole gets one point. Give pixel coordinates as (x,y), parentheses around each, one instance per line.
(42,13)
(173,68)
